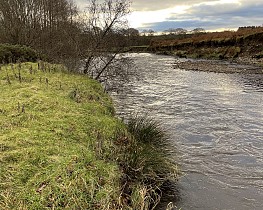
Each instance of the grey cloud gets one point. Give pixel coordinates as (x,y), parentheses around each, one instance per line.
(207,24)
(244,9)
(191,24)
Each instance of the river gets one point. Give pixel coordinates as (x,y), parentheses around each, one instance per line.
(216,122)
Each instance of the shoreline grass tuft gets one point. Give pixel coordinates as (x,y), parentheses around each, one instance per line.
(146,161)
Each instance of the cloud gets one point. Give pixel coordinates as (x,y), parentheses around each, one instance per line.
(82,4)
(234,8)
(153,5)
(214,16)
(150,5)
(190,25)
(154,16)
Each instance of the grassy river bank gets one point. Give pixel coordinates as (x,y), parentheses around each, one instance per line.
(61,146)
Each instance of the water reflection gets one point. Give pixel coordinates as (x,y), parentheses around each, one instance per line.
(216,121)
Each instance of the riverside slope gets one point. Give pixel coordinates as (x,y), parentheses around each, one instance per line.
(55,131)
(61,146)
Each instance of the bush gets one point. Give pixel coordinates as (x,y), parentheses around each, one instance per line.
(14,53)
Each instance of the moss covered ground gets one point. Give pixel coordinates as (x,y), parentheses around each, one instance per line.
(55,130)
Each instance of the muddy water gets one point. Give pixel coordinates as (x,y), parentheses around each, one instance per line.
(216,122)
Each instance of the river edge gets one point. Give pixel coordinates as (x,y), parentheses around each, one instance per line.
(241,64)
(219,66)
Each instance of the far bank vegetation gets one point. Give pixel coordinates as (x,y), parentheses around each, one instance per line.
(246,41)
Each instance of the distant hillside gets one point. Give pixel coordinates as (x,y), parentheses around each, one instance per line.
(246,41)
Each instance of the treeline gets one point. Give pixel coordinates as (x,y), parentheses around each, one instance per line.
(45,25)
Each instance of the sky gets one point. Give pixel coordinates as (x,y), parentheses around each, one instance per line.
(211,15)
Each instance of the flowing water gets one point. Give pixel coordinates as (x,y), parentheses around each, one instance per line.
(216,122)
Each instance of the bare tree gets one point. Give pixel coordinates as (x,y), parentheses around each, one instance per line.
(198,30)
(176,31)
(103,25)
(148,32)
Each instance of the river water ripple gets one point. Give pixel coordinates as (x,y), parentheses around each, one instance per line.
(216,122)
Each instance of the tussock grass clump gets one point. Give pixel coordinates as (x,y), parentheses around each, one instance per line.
(146,162)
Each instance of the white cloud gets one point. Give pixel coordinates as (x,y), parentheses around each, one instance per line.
(138,18)
(153,5)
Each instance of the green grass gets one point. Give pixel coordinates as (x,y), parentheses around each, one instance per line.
(61,147)
(55,129)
